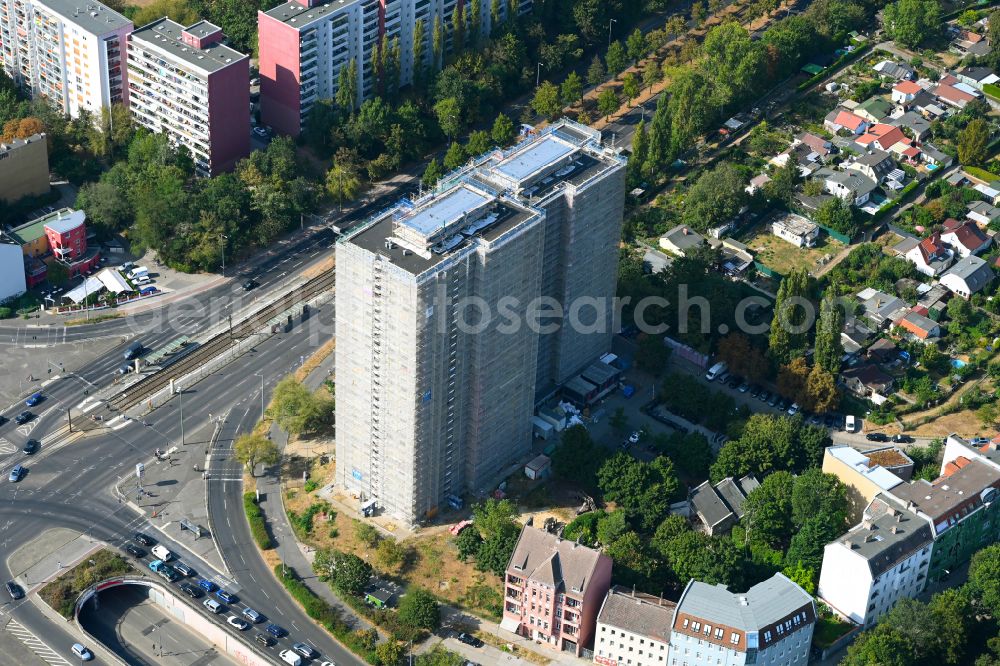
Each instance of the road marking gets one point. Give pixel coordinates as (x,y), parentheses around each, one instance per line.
(33,643)
(6,447)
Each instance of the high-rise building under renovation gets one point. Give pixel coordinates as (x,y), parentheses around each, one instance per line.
(439,357)
(304,45)
(70,53)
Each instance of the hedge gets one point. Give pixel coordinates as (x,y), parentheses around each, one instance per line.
(992,90)
(981,174)
(322,612)
(258,529)
(889,205)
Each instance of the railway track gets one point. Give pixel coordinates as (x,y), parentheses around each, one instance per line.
(157,381)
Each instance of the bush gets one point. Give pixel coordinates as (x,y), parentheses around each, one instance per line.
(419,610)
(310,486)
(258,529)
(323,613)
(62,593)
(6,313)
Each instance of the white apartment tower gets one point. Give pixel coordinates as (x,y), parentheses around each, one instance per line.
(68,52)
(436,362)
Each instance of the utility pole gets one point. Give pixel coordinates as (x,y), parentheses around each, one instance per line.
(261,375)
(69,417)
(224,238)
(538,74)
(180,397)
(610,23)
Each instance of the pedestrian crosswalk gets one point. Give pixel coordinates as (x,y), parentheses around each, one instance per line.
(34,644)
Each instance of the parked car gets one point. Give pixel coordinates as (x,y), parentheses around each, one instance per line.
(902,439)
(30,447)
(734,381)
(877,437)
(134,550)
(184,569)
(23,417)
(793,409)
(755,391)
(634,437)
(744,387)
(469,639)
(34,399)
(260,131)
(17,473)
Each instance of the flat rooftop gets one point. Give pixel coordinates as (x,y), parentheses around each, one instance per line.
(91,16)
(535,158)
(451,207)
(374,237)
(165,36)
(298,16)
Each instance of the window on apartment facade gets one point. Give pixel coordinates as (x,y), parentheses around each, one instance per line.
(695,626)
(719,632)
(734,638)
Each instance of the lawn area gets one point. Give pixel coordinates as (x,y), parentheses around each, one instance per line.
(63,592)
(981,174)
(829,629)
(783,257)
(430,560)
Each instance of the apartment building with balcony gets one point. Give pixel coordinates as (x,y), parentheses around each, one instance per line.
(304,45)
(554,590)
(67,52)
(186,83)
(436,397)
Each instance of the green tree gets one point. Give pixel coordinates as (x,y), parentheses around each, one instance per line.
(616,58)
(433,173)
(578,457)
(635,45)
(458,26)
(468,542)
(829,350)
(984,578)
(697,13)
(993,57)
(389,652)
(595,72)
(571,90)
(455,157)
(781,187)
(802,575)
(503,130)
(546,100)
(390,553)
(631,86)
(767,511)
(419,52)
(643,490)
(640,154)
(716,197)
(57,274)
(253,449)
(106,206)
(912,22)
(437,43)
(652,355)
(495,551)
(973,142)
(837,215)
(607,102)
(296,409)
(347,86)
(711,560)
(419,609)
(618,420)
(449,116)
(366,533)
(651,74)
(493,517)
(342,181)
(479,143)
(770,443)
(660,153)
(884,647)
(475,22)
(672,526)
(345,571)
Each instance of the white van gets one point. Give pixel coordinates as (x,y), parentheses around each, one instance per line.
(290,657)
(142,279)
(715,371)
(212,605)
(850,423)
(139,271)
(162,553)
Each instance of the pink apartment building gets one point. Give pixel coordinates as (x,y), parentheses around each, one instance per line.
(554,589)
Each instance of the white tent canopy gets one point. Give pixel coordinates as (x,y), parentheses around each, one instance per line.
(113,280)
(89,286)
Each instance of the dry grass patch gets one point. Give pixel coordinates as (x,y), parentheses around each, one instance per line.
(313,361)
(783,257)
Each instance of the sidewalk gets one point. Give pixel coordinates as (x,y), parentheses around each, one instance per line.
(174,490)
(291,552)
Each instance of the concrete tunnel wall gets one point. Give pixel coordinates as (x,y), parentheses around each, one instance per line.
(180,609)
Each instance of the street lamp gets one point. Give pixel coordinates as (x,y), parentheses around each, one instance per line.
(223,238)
(261,375)
(538,74)
(180,398)
(610,23)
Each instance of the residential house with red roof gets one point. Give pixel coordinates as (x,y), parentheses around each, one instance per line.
(905,92)
(964,237)
(953,92)
(931,256)
(919,327)
(885,137)
(842,119)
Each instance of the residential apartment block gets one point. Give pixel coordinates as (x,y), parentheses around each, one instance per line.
(24,168)
(304,44)
(633,629)
(187,84)
(554,589)
(438,353)
(771,623)
(881,560)
(866,474)
(68,52)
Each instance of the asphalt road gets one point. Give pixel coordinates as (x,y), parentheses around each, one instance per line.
(70,485)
